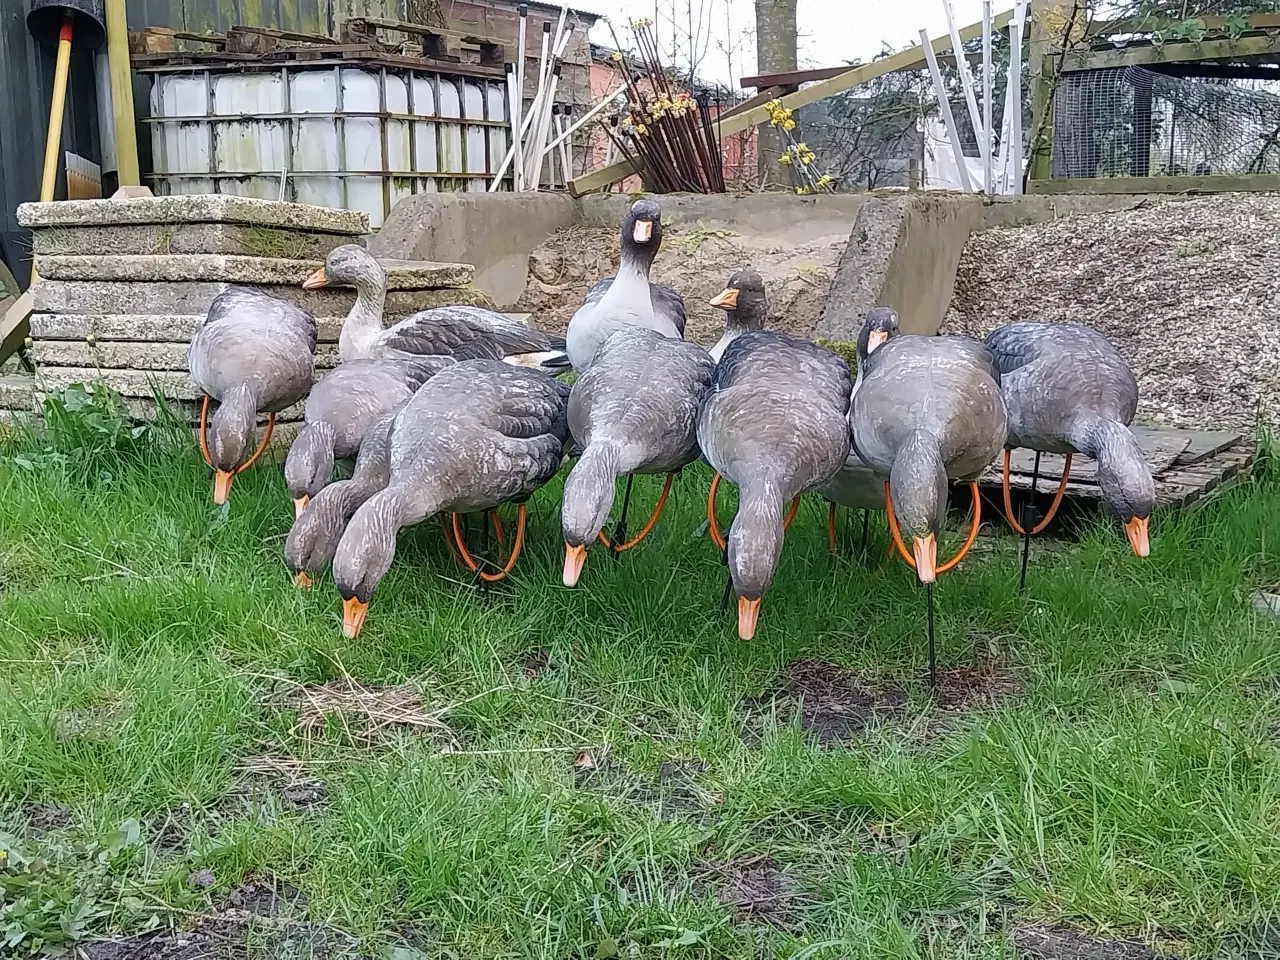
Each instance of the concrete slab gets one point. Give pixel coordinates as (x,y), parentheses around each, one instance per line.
(187,238)
(201,208)
(222,268)
(133,355)
(173,384)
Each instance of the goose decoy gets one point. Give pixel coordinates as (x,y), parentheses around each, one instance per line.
(476,435)
(1068,391)
(339,412)
(927,410)
(253,354)
(462,332)
(773,423)
(856,485)
(634,411)
(628,299)
(738,319)
(315,533)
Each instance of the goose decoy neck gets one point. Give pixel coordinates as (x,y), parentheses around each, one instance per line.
(313,538)
(309,464)
(880,326)
(918,490)
(588,494)
(1123,475)
(232,430)
(352,266)
(641,236)
(753,546)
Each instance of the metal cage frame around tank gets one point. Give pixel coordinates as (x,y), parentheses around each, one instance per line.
(492,125)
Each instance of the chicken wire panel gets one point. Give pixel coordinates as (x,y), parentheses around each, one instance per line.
(1135,122)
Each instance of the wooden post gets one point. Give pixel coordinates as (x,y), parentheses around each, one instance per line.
(122,95)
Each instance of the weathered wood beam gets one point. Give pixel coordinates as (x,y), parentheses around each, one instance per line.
(1171,52)
(1243,183)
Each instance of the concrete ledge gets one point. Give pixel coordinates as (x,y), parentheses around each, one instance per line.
(201,208)
(187,238)
(221,268)
(134,355)
(172,384)
(746,213)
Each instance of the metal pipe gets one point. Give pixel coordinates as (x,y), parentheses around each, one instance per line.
(966,80)
(988,167)
(106,118)
(944,105)
(517,125)
(122,94)
(1015,79)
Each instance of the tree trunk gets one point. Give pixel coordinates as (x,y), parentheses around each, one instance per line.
(775,52)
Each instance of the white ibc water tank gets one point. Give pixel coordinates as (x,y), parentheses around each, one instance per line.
(357,138)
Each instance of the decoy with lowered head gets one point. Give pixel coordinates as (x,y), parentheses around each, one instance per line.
(253,354)
(476,435)
(927,410)
(856,485)
(627,299)
(315,533)
(461,332)
(773,423)
(339,412)
(635,410)
(1068,391)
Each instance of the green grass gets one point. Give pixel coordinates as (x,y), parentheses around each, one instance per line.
(151,644)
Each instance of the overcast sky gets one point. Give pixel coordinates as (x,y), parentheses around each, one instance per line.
(831,31)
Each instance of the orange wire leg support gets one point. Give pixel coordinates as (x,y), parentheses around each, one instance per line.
(511,560)
(204,444)
(713,526)
(973,530)
(1053,508)
(831,528)
(649,524)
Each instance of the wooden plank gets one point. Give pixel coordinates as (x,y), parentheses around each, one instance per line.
(793,77)
(1245,183)
(908,59)
(1150,24)
(1171,52)
(1204,443)
(1159,448)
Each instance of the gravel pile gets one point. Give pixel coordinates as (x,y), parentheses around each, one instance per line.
(1187,290)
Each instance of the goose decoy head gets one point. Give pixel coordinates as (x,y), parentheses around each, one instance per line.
(231,438)
(744,300)
(364,555)
(642,231)
(1125,481)
(313,538)
(309,464)
(587,500)
(349,265)
(881,325)
(918,490)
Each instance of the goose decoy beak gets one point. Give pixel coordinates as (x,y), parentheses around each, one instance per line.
(316,280)
(642,231)
(353,614)
(574,558)
(301,580)
(300,504)
(1136,530)
(727,299)
(748,614)
(926,554)
(222,486)
(875,338)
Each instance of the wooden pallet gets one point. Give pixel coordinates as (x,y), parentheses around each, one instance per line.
(1186,464)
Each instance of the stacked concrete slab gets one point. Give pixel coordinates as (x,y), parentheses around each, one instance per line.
(125,283)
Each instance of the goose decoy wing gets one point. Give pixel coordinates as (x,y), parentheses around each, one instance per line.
(465,334)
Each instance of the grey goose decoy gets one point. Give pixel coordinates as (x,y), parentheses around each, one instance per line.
(253,354)
(856,484)
(462,332)
(927,410)
(751,315)
(773,423)
(339,412)
(1068,391)
(634,411)
(627,299)
(478,434)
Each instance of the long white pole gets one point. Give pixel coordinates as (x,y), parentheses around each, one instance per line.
(566,148)
(944,105)
(540,135)
(1015,80)
(988,166)
(1002,175)
(966,78)
(517,124)
(589,116)
(542,122)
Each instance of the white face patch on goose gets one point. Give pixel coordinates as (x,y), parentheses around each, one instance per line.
(642,231)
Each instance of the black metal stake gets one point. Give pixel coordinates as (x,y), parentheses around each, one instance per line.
(1026,525)
(933,657)
(866,520)
(620,530)
(728,583)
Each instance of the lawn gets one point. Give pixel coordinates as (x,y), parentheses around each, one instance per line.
(188,745)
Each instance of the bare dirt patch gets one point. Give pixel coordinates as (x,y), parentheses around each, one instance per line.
(833,704)
(696,261)
(1036,942)
(1185,290)
(675,792)
(41,817)
(755,887)
(537,662)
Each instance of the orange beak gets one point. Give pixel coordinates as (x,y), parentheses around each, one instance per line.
(301,580)
(353,612)
(316,280)
(574,558)
(300,504)
(926,551)
(222,485)
(874,339)
(727,299)
(1136,531)
(642,231)
(748,614)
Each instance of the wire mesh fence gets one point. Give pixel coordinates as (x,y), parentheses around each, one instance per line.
(1136,122)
